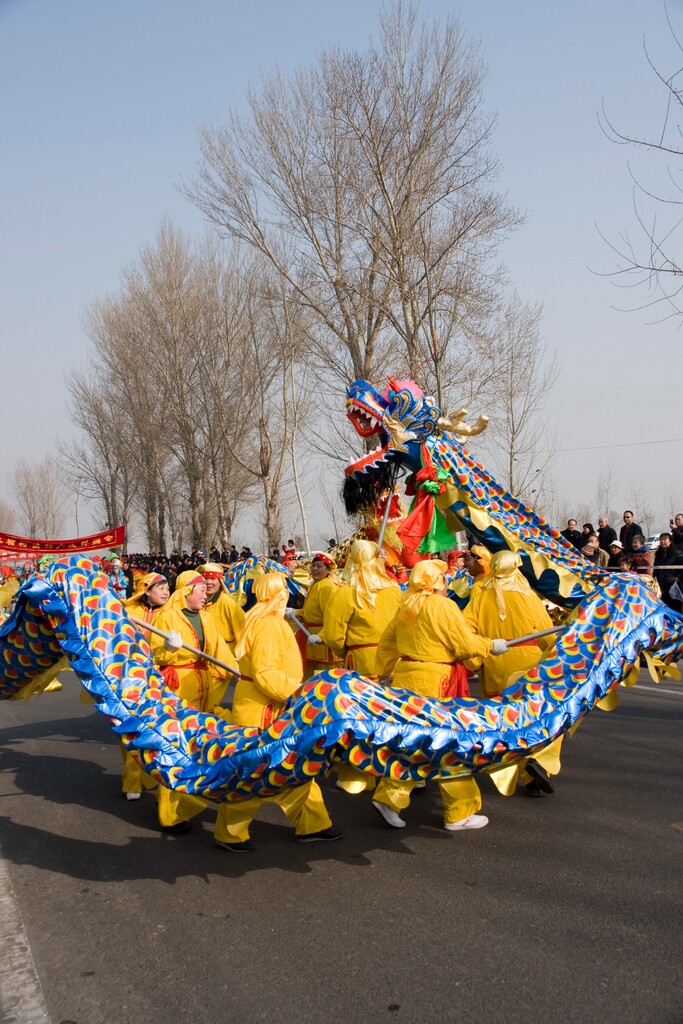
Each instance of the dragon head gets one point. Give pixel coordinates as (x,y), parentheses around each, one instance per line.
(401,418)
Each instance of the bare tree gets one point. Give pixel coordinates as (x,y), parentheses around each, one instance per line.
(366,182)
(165,391)
(8,517)
(648,256)
(99,467)
(40,496)
(643,511)
(265,359)
(520,437)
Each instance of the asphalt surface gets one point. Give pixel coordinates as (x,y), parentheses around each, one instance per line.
(565,909)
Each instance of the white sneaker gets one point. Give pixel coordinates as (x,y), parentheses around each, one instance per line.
(391,817)
(133,796)
(474,821)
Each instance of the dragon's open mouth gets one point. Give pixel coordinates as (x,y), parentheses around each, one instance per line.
(368,423)
(364,418)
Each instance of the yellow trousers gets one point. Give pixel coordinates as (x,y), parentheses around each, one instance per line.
(353,780)
(133,778)
(460,797)
(303,805)
(173,807)
(505,779)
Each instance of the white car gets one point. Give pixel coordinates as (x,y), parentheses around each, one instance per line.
(652,542)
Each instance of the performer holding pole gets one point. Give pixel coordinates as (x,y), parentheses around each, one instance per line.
(271,668)
(325,585)
(505,605)
(183,640)
(150,595)
(423,646)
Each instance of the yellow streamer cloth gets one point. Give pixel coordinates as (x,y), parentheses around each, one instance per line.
(426,578)
(270,591)
(503,576)
(365,572)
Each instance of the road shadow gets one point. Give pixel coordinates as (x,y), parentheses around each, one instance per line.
(153,855)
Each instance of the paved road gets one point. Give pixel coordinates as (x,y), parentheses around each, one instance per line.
(565,909)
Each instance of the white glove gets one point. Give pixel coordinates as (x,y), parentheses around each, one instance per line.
(173,641)
(290,613)
(500,647)
(313,639)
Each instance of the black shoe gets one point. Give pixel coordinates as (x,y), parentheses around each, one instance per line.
(180,828)
(532,788)
(246,846)
(540,776)
(328,835)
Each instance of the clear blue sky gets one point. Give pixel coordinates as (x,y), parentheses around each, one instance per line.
(101,102)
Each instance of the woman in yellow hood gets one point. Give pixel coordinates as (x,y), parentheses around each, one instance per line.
(325,585)
(220,604)
(184,621)
(150,595)
(505,606)
(423,647)
(363,606)
(271,670)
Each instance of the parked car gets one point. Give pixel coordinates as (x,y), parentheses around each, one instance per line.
(652,542)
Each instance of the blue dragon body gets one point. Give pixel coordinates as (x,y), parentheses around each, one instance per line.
(338,715)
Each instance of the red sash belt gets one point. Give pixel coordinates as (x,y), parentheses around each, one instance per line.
(527,643)
(455,685)
(171,677)
(360,647)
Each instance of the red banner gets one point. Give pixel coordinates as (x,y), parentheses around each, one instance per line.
(16,548)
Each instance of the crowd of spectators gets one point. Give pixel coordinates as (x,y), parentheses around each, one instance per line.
(172,565)
(628,552)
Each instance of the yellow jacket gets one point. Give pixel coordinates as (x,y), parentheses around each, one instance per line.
(271,672)
(524,613)
(192,679)
(420,656)
(8,590)
(137,607)
(228,616)
(312,615)
(352,633)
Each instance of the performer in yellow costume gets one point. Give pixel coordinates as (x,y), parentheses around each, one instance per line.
(505,606)
(184,620)
(358,613)
(352,624)
(9,588)
(271,668)
(150,595)
(226,613)
(419,647)
(325,585)
(221,605)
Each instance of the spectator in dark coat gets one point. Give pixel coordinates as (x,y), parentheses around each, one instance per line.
(606,533)
(629,530)
(572,535)
(676,531)
(667,554)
